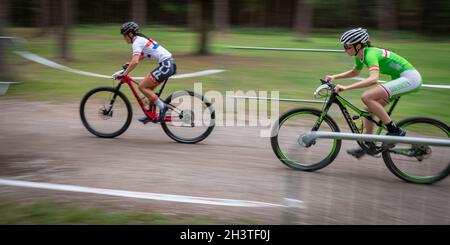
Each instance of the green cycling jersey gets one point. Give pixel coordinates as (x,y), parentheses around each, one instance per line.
(383,61)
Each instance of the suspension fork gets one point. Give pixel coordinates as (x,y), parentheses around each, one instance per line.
(113,99)
(324,112)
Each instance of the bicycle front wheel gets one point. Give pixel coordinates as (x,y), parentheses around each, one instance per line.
(105,112)
(190,118)
(286,138)
(419,163)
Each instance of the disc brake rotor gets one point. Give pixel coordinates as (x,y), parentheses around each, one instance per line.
(187,117)
(421,152)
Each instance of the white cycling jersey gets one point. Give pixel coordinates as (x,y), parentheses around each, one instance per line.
(150,49)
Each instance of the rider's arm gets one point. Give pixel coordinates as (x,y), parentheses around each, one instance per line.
(347,74)
(351,73)
(133,63)
(372,79)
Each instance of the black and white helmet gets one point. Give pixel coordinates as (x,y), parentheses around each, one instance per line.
(129,27)
(353,36)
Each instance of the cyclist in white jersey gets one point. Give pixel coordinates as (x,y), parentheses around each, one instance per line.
(145,47)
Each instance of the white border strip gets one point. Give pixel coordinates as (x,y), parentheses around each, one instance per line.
(423,85)
(46,62)
(140,195)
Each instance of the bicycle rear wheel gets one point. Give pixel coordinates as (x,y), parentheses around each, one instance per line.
(191,117)
(105,112)
(416,163)
(292,125)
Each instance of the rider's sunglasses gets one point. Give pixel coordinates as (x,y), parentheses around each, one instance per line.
(346,46)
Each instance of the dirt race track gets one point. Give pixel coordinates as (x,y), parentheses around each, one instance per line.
(45,142)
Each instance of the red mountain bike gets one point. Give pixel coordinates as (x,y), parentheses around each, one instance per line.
(106,112)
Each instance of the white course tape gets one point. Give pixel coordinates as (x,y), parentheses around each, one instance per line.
(436,86)
(288,49)
(278,99)
(423,85)
(140,195)
(199,73)
(46,62)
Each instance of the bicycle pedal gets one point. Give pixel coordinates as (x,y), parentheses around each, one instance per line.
(387,146)
(357,153)
(144,121)
(376,155)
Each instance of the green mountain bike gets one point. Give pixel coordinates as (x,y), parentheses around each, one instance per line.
(413,163)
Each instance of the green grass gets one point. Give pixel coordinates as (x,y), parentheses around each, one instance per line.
(48,213)
(293,74)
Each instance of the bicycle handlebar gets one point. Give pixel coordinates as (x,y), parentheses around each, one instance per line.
(117,73)
(124,67)
(329,83)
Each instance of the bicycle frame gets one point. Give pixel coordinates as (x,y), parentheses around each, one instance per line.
(335,98)
(150,113)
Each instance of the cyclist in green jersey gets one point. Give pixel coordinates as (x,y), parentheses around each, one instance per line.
(405,79)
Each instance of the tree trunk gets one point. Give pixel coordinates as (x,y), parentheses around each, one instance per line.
(42,17)
(5,11)
(202,6)
(193,16)
(221,15)
(4,18)
(139,11)
(66,22)
(387,16)
(2,50)
(425,17)
(303,17)
(268,13)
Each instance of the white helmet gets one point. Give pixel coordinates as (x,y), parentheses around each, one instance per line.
(353,36)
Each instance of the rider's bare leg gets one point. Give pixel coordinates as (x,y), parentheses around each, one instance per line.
(375,99)
(371,98)
(369,125)
(147,86)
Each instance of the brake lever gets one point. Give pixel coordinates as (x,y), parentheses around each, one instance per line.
(328,82)
(117,73)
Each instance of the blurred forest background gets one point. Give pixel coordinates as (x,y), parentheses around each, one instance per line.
(430,17)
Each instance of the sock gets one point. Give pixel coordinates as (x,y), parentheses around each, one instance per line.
(391,127)
(159,103)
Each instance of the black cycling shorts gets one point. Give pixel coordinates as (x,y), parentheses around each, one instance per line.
(165,69)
